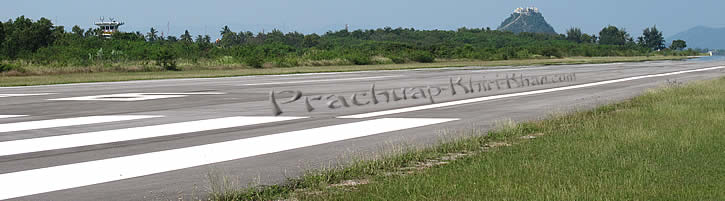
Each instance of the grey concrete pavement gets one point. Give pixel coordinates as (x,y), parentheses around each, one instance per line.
(213,98)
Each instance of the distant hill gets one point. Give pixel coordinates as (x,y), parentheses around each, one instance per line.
(526,20)
(702,37)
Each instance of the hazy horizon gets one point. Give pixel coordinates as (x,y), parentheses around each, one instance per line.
(324,15)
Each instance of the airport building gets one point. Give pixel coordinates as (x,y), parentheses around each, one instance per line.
(108,28)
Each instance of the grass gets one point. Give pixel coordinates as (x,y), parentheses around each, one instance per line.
(664,145)
(45,76)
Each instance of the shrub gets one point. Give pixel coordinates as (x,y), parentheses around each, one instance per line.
(167,59)
(10,67)
(359,59)
(422,57)
(397,60)
(254,61)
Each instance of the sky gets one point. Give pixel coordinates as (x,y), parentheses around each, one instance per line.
(320,16)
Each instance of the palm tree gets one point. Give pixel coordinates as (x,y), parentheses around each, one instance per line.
(225,30)
(151,35)
(186,37)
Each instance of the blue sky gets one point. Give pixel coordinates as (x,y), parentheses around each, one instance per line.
(319,16)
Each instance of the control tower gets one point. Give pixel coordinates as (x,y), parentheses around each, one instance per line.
(108,28)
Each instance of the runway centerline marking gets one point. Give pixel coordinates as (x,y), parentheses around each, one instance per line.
(134,96)
(474,100)
(323,80)
(20,95)
(52,123)
(119,135)
(24,183)
(11,116)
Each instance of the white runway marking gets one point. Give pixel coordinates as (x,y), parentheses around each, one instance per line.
(134,96)
(30,182)
(101,137)
(18,95)
(473,100)
(52,123)
(11,116)
(325,80)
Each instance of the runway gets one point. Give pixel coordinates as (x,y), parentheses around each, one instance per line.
(162,139)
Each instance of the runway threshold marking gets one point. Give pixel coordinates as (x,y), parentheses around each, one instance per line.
(487,98)
(11,116)
(119,135)
(52,123)
(134,96)
(19,95)
(30,182)
(323,80)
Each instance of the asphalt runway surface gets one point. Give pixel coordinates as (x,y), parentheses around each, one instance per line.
(165,139)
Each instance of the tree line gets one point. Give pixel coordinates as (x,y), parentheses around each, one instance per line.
(27,42)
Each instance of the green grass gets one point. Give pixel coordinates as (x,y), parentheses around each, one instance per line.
(668,144)
(63,75)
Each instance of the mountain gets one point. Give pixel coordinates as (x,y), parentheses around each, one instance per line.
(526,20)
(702,37)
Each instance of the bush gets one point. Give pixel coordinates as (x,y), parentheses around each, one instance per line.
(254,61)
(397,60)
(359,59)
(422,57)
(167,59)
(10,67)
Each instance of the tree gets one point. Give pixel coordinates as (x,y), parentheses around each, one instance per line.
(172,39)
(151,36)
(612,35)
(186,37)
(166,59)
(225,30)
(78,31)
(311,40)
(24,36)
(652,38)
(229,39)
(207,39)
(2,35)
(89,33)
(678,45)
(575,35)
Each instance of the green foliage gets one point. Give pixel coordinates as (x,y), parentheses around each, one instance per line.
(186,37)
(42,43)
(254,58)
(652,38)
(575,35)
(678,45)
(10,67)
(397,60)
(612,35)
(152,36)
(422,57)
(358,59)
(23,36)
(167,60)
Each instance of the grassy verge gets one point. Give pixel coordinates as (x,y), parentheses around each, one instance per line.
(664,145)
(51,78)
